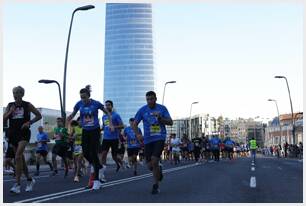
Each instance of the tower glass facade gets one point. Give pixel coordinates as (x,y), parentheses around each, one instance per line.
(128,67)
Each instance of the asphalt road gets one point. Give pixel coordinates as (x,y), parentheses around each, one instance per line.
(273,180)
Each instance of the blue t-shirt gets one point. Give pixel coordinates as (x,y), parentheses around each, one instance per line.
(229,143)
(153,130)
(190,146)
(42,137)
(116,120)
(89,114)
(215,141)
(132,141)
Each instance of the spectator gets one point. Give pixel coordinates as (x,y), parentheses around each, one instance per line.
(286,149)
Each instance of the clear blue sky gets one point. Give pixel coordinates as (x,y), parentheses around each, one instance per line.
(223,55)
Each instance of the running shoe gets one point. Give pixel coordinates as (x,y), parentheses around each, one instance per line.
(30,185)
(96,185)
(155,189)
(54,173)
(118,167)
(15,189)
(76,179)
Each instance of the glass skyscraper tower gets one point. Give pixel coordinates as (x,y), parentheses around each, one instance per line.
(128,65)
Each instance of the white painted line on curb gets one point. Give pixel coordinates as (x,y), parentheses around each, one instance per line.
(253,182)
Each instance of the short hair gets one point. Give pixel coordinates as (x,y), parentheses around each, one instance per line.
(19,88)
(150,93)
(132,119)
(40,127)
(60,119)
(74,123)
(110,102)
(86,90)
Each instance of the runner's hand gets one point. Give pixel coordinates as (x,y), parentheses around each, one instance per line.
(26,125)
(156,114)
(12,109)
(112,128)
(139,137)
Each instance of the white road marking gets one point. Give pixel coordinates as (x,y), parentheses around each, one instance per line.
(252,168)
(37,177)
(58,195)
(253,182)
(81,189)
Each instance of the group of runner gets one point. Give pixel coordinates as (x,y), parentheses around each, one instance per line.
(202,148)
(79,140)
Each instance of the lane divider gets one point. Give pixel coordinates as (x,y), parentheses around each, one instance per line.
(253,182)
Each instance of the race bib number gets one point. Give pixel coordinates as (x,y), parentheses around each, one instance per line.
(88,121)
(39,144)
(133,141)
(196,144)
(77,149)
(106,122)
(155,130)
(57,137)
(18,113)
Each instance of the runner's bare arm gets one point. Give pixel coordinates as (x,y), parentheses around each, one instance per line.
(110,119)
(120,126)
(8,112)
(70,117)
(136,131)
(36,118)
(165,121)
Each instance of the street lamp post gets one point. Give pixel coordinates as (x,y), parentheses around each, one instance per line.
(170,82)
(293,126)
(47,81)
(280,127)
(82,8)
(190,118)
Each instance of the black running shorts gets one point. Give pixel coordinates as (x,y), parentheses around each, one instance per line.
(154,149)
(15,136)
(132,151)
(60,150)
(110,143)
(42,152)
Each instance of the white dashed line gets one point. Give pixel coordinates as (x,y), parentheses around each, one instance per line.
(253,182)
